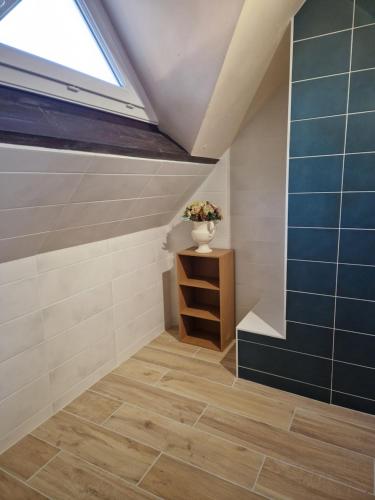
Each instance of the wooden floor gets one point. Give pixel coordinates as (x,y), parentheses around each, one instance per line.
(172,422)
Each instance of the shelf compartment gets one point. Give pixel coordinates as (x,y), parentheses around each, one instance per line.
(201,282)
(198,311)
(201,332)
(198,268)
(200,302)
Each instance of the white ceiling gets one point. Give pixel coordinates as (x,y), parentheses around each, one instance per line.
(51,199)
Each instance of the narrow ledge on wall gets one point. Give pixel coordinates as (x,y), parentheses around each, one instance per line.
(34,120)
(253,323)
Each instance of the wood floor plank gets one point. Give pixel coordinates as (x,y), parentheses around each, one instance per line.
(343,465)
(11,489)
(230,461)
(174,480)
(165,403)
(166,343)
(67,477)
(355,417)
(212,356)
(334,431)
(93,407)
(172,361)
(279,481)
(27,456)
(274,412)
(114,453)
(143,372)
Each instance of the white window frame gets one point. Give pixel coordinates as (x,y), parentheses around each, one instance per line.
(29,72)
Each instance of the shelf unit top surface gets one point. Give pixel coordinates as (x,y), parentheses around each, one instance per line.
(216,253)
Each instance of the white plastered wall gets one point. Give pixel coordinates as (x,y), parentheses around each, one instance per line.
(258,193)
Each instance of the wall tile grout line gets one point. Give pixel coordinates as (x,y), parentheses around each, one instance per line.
(285,378)
(341,196)
(349,264)
(284,349)
(333,295)
(333,32)
(308,384)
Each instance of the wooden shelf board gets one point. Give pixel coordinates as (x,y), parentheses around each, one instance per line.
(215,254)
(201,282)
(203,339)
(203,312)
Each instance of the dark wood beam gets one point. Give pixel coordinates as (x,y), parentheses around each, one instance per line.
(35,120)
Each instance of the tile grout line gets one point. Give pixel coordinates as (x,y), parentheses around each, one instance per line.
(270,346)
(259,472)
(330,478)
(23,481)
(341,199)
(45,465)
(283,349)
(214,474)
(210,363)
(334,32)
(201,415)
(229,441)
(97,468)
(155,384)
(292,419)
(292,464)
(330,262)
(149,468)
(318,386)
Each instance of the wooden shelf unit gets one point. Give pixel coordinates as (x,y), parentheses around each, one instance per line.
(206,298)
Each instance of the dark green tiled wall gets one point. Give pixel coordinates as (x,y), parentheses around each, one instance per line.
(329,352)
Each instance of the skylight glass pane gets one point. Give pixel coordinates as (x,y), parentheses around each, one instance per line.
(56,30)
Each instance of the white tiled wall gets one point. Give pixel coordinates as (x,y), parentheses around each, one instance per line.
(69,316)
(258,228)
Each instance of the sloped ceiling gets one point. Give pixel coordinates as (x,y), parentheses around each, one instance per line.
(52,199)
(201,61)
(177,48)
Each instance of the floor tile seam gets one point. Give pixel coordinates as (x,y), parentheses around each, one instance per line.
(204,379)
(340,447)
(128,377)
(345,420)
(188,426)
(249,448)
(108,429)
(259,472)
(315,473)
(149,469)
(165,349)
(210,363)
(300,405)
(22,481)
(218,476)
(215,405)
(310,439)
(43,466)
(93,468)
(292,464)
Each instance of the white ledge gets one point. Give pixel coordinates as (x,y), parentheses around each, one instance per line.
(252,323)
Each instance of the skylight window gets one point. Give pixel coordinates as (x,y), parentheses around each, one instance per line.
(68,49)
(57,31)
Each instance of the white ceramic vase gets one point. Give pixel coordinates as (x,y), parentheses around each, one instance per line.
(202,234)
